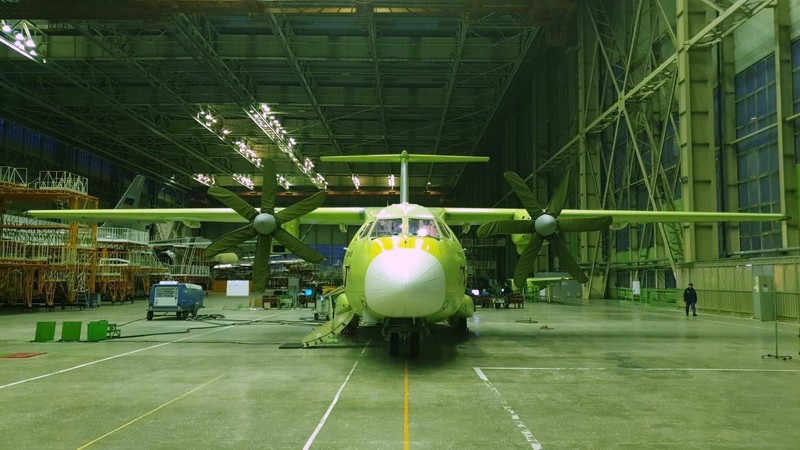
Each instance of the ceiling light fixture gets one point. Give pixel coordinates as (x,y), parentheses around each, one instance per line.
(261,115)
(204,179)
(24,38)
(244,180)
(211,122)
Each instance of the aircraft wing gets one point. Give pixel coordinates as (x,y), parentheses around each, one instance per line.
(622,216)
(464,216)
(321,216)
(357,215)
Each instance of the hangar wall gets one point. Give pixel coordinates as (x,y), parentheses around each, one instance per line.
(627,51)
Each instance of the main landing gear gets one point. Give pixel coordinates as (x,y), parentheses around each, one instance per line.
(404,335)
(459,325)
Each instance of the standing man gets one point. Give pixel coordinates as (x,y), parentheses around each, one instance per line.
(690,298)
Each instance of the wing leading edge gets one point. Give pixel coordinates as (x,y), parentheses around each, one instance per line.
(475,216)
(357,215)
(321,216)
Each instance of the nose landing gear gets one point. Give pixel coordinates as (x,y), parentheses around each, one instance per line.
(405,335)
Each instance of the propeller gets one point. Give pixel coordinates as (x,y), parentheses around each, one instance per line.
(265,225)
(544,224)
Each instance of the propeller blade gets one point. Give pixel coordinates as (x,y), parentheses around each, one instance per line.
(233,201)
(269,187)
(527,258)
(297,246)
(560,197)
(569,263)
(229,240)
(261,263)
(506,227)
(585,223)
(300,208)
(525,195)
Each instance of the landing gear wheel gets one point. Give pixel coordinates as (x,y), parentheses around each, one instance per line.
(461,326)
(413,349)
(394,344)
(149,315)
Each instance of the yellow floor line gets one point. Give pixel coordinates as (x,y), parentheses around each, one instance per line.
(148,413)
(405,408)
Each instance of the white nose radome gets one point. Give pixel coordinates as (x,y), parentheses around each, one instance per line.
(405,282)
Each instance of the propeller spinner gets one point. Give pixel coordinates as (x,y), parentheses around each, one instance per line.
(265,225)
(545,224)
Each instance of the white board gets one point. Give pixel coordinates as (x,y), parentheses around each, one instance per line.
(238,288)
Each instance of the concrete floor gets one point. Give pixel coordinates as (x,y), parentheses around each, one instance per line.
(609,375)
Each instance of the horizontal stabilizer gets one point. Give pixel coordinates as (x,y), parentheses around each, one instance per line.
(388,158)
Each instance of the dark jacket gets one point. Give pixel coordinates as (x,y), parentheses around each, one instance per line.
(690,295)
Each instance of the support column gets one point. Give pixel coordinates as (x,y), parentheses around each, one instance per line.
(725,80)
(696,134)
(589,157)
(786,128)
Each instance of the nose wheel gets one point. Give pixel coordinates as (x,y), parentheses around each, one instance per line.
(405,336)
(408,346)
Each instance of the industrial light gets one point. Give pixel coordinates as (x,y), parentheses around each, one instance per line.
(244,180)
(204,179)
(356,181)
(319,180)
(209,120)
(308,165)
(283,181)
(269,125)
(391,181)
(22,37)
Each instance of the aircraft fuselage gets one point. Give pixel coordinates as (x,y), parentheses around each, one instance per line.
(405,263)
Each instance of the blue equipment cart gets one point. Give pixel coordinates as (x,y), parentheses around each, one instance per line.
(171,296)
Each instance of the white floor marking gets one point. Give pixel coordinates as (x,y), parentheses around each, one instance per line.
(333,403)
(639,369)
(526,433)
(91,363)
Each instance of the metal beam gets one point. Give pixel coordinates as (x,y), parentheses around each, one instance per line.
(461,39)
(711,33)
(376,71)
(283,30)
(528,37)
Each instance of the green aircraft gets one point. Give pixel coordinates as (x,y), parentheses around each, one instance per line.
(405,268)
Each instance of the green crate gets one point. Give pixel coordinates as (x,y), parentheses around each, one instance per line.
(71,331)
(96,331)
(45,331)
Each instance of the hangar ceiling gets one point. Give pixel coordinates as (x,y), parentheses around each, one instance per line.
(171,89)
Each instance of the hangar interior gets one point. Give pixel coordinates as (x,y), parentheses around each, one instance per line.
(669,106)
(644,105)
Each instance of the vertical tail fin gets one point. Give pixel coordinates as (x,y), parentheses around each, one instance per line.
(131,197)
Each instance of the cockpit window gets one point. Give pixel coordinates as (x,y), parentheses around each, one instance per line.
(387,227)
(423,228)
(364,229)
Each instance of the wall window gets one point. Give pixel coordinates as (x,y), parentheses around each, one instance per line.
(757,155)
